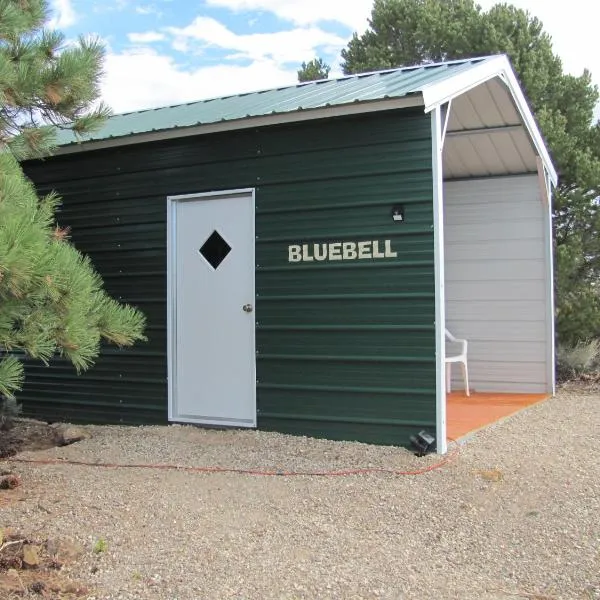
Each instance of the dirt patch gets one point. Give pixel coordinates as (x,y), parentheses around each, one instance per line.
(27,435)
(8,497)
(32,568)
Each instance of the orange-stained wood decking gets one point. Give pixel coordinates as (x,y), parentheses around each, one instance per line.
(467,414)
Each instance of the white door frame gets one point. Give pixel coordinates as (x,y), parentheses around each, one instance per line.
(172,202)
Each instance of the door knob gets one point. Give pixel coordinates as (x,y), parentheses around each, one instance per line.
(247,308)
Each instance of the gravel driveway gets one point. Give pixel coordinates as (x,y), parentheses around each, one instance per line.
(515,515)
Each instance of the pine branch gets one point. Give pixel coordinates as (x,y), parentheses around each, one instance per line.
(11,376)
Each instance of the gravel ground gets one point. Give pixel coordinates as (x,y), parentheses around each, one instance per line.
(516,514)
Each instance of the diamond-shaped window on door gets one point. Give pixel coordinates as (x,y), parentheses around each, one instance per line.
(215,249)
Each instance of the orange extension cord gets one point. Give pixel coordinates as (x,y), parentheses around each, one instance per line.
(342,473)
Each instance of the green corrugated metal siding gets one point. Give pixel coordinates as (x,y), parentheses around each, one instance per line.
(345,350)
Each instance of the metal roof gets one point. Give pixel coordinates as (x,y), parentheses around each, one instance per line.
(491,129)
(394,83)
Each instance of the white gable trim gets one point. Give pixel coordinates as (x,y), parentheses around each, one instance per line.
(437,94)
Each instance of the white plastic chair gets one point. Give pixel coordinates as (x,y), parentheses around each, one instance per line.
(461,358)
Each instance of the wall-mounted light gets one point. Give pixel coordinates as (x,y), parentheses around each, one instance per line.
(398,213)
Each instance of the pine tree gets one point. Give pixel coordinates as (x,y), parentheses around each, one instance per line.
(314,70)
(52,301)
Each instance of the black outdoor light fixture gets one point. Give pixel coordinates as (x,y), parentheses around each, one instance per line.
(423,443)
(398,213)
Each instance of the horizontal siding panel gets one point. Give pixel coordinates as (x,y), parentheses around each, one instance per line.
(363,219)
(466,211)
(347,279)
(500,291)
(458,251)
(484,310)
(109,368)
(54,405)
(498,269)
(378,311)
(505,351)
(411,377)
(320,195)
(367,343)
(359,406)
(489,230)
(511,371)
(492,330)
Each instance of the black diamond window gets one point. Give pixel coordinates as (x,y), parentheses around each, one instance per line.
(215,249)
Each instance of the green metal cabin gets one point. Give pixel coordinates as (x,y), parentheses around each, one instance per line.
(299,253)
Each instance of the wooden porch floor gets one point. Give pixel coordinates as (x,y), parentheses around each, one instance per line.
(468,414)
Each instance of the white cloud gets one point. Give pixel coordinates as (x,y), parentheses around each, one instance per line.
(63,14)
(352,13)
(147,9)
(144,79)
(103,7)
(146,38)
(281,46)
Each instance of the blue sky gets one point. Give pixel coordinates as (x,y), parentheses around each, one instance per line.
(162,52)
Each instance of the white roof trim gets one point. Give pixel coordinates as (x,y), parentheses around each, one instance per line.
(436,94)
(354,108)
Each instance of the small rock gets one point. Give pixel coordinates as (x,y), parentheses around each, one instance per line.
(37,587)
(64,550)
(9,482)
(67,434)
(31,555)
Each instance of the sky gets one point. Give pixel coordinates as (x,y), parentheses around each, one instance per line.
(163,52)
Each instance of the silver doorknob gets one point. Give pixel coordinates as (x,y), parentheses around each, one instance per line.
(247,308)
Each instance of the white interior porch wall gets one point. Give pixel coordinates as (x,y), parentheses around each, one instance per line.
(496,282)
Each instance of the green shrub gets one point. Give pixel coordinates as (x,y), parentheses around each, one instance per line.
(574,361)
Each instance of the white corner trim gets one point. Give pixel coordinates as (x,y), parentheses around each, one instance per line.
(550,304)
(440,297)
(545,188)
(436,94)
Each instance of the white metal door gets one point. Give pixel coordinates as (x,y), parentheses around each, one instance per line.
(211,309)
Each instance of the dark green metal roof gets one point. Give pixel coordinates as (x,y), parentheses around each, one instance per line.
(363,88)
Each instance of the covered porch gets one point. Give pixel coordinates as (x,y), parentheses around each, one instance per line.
(468,414)
(495,263)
